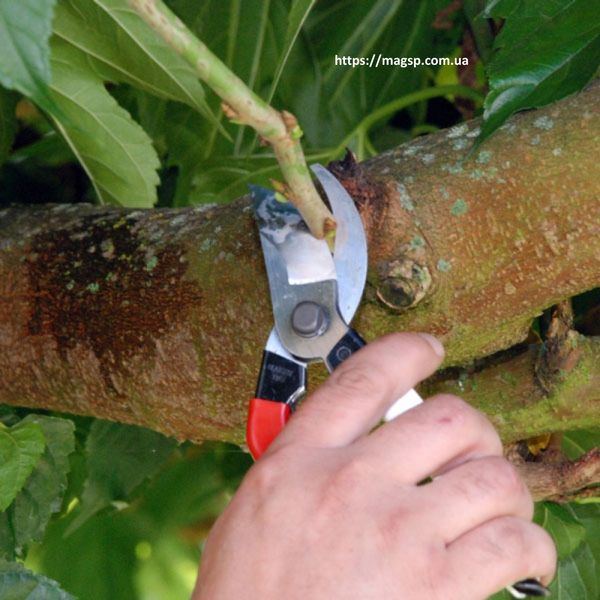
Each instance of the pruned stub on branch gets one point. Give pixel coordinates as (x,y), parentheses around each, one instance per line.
(559,353)
(404,279)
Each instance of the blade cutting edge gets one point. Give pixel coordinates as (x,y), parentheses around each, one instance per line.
(350,253)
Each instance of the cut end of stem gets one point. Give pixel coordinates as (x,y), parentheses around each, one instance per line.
(329,228)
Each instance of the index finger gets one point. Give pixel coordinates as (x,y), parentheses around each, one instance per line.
(358,393)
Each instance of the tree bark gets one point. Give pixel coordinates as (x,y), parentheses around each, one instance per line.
(159,317)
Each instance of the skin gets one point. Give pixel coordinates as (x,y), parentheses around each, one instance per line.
(333,510)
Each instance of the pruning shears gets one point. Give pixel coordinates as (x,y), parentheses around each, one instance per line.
(314,296)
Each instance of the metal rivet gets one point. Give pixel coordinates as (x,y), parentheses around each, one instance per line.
(309,319)
(343,353)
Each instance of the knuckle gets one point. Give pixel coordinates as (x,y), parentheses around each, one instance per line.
(392,527)
(261,481)
(354,380)
(350,477)
(343,487)
(510,537)
(453,411)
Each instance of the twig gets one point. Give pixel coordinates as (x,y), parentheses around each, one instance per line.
(241,105)
(554,477)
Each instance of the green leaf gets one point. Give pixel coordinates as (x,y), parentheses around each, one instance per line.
(123,49)
(576,531)
(120,457)
(221,180)
(114,150)
(567,532)
(299,11)
(96,562)
(18,583)
(50,150)
(26,518)
(480,27)
(20,449)
(545,51)
(576,443)
(168,523)
(8,122)
(25,28)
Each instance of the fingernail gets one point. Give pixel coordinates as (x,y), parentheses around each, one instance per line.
(435,344)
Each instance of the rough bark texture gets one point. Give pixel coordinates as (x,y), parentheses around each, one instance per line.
(561,480)
(159,317)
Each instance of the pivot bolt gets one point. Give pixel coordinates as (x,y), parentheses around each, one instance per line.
(309,319)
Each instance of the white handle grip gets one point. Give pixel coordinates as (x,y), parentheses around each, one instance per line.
(408,401)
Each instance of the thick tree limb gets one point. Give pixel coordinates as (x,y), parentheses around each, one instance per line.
(159,317)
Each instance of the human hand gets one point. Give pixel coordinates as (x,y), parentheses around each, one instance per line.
(334,511)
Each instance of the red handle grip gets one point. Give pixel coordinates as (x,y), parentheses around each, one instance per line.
(266,418)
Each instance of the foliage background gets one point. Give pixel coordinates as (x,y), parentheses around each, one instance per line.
(94,107)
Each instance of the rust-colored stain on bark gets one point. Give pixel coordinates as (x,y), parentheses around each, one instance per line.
(369,196)
(102,285)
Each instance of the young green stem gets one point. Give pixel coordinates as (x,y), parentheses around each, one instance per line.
(242,105)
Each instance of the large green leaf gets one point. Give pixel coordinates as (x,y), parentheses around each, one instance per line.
(545,51)
(26,518)
(51,150)
(20,449)
(25,28)
(119,457)
(114,150)
(156,541)
(576,531)
(576,443)
(298,13)
(559,521)
(18,583)
(95,562)
(577,575)
(249,36)
(8,122)
(122,48)
(222,179)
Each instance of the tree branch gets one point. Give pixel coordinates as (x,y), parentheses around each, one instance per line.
(243,106)
(561,480)
(159,317)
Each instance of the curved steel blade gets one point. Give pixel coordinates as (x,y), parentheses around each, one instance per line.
(350,253)
(287,244)
(299,268)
